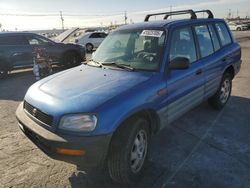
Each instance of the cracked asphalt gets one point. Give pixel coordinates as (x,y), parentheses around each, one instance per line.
(204,148)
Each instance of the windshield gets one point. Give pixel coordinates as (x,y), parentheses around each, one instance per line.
(137,49)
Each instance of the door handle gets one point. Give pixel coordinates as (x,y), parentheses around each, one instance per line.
(198,72)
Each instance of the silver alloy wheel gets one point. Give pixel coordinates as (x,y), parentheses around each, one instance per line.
(225,91)
(139,151)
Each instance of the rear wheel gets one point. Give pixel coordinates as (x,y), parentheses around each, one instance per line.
(71,59)
(238,29)
(219,100)
(129,151)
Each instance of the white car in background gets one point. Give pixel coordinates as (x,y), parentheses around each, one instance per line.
(91,40)
(237,26)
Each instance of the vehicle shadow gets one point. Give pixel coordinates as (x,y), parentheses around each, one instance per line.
(102,179)
(174,144)
(17,83)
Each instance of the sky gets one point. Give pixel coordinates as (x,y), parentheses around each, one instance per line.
(45,14)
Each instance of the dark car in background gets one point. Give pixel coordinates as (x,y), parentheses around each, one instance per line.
(16,51)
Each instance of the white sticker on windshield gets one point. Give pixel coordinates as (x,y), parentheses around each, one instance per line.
(152,33)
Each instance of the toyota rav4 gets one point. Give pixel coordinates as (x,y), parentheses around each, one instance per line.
(141,78)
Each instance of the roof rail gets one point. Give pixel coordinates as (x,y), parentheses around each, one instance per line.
(210,14)
(167,14)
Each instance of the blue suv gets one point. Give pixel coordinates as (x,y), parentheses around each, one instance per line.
(141,78)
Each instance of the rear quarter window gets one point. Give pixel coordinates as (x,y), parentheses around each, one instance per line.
(224,35)
(214,37)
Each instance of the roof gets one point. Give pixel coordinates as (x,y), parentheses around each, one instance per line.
(160,24)
(16,33)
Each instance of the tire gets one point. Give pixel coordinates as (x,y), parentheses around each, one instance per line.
(238,29)
(129,151)
(71,59)
(89,47)
(3,72)
(221,97)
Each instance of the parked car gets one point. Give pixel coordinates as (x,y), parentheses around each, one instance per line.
(146,75)
(237,26)
(91,40)
(16,51)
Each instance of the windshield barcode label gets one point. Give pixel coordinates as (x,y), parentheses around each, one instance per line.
(151,33)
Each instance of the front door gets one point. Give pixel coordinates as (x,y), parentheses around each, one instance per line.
(185,88)
(20,51)
(40,42)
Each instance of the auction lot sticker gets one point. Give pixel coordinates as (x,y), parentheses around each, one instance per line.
(152,33)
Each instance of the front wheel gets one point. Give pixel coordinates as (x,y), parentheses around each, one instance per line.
(129,151)
(219,100)
(238,29)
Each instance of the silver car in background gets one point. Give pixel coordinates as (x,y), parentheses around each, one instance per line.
(91,40)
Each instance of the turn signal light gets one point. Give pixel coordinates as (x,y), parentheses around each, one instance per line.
(65,151)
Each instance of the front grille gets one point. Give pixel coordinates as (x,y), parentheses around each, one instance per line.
(38,114)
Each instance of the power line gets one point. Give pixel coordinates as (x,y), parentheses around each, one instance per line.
(55,15)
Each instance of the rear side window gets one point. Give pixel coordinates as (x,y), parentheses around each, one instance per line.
(224,35)
(182,45)
(103,35)
(97,35)
(13,40)
(214,37)
(204,39)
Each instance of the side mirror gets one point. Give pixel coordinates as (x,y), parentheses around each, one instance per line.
(179,63)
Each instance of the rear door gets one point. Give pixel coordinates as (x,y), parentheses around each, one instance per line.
(208,44)
(18,50)
(185,87)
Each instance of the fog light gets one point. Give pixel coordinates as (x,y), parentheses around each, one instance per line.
(75,152)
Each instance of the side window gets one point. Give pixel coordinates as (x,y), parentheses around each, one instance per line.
(204,39)
(94,35)
(43,40)
(223,34)
(33,41)
(36,40)
(214,37)
(182,45)
(103,35)
(13,40)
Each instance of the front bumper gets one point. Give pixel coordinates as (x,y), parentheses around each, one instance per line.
(95,147)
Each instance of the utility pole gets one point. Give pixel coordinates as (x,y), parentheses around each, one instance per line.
(125,17)
(62,20)
(170,11)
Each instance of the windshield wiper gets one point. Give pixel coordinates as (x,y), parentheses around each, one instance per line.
(122,66)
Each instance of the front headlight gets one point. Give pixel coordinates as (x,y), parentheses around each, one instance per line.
(78,122)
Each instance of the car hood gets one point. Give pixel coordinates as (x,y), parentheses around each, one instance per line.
(83,88)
